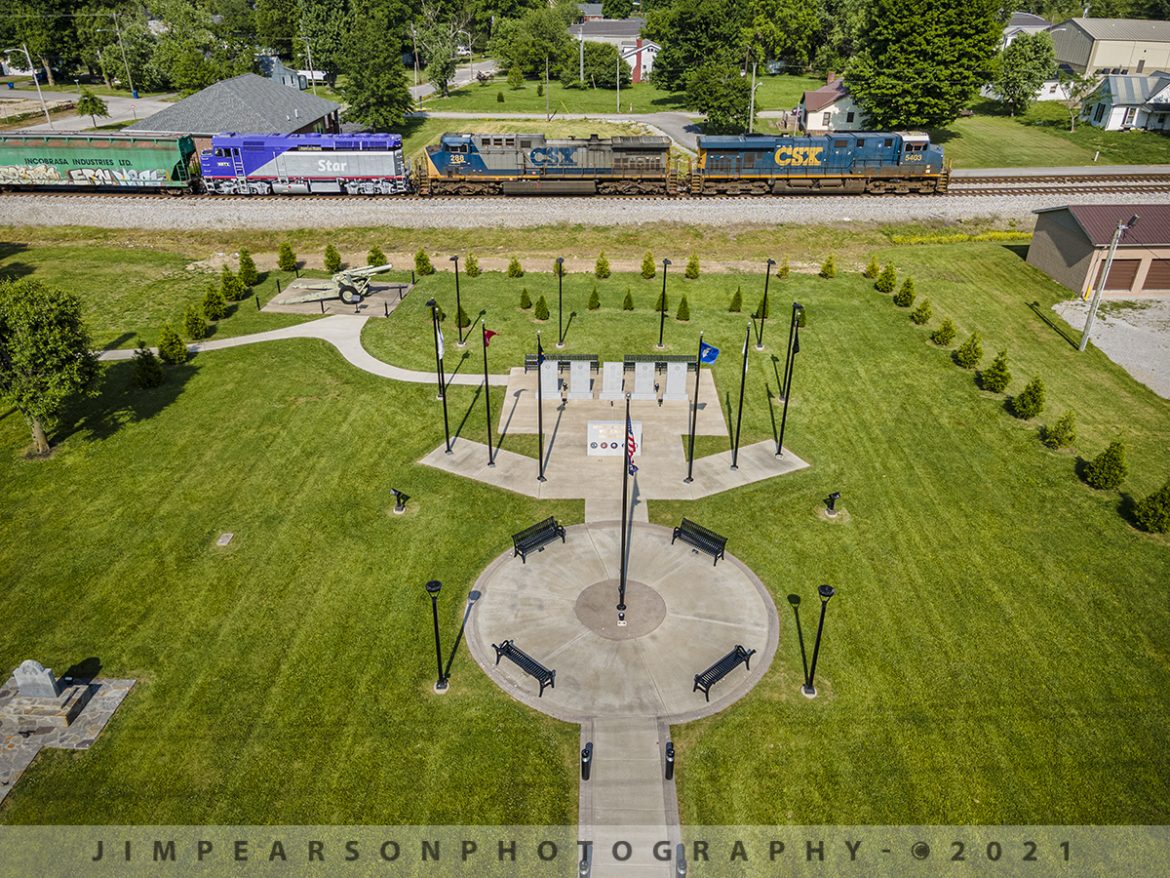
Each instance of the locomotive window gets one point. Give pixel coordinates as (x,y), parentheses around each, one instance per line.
(840,144)
(888,142)
(525,144)
(860,142)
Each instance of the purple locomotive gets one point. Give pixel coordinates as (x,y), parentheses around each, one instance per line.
(263,164)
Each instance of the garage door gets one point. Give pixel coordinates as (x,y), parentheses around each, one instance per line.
(1158,277)
(1121,275)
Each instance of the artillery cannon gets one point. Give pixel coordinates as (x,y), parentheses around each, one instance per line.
(351,286)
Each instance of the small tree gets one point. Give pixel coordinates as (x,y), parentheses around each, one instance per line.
(783,271)
(231,287)
(248,273)
(195,323)
(1077,89)
(541,312)
(215,306)
(525,299)
(91,105)
(601,269)
(945,334)
(970,352)
(997,376)
(692,271)
(1108,469)
(1060,434)
(286,259)
(171,349)
(829,267)
(375,256)
(871,268)
(887,280)
(1029,402)
(594,299)
(422,263)
(1152,513)
(499,97)
(661,303)
(148,371)
(472,265)
(684,310)
(515,78)
(45,356)
(904,298)
(514,269)
(648,270)
(332,259)
(921,315)
(628,301)
(461,318)
(540,89)
(736,305)
(762,310)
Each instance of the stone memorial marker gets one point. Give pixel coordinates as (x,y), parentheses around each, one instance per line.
(34,680)
(644,382)
(580,384)
(550,381)
(676,383)
(611,381)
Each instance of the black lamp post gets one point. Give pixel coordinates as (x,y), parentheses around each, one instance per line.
(434,306)
(789,368)
(433,587)
(560,301)
(826,592)
(458,303)
(662,312)
(764,305)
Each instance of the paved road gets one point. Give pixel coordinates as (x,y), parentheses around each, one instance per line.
(122,109)
(463,76)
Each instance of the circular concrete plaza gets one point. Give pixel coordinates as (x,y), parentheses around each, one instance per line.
(683,614)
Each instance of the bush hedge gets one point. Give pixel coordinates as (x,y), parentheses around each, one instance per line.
(1108,469)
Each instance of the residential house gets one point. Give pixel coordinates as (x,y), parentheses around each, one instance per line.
(830,108)
(1112,45)
(1070,244)
(1125,103)
(1023,23)
(626,35)
(589,12)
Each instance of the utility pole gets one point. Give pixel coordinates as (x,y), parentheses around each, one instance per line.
(1122,228)
(752,101)
(122,48)
(547,117)
(414,43)
(581,45)
(312,73)
(37,83)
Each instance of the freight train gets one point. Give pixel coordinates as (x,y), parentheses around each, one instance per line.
(478,164)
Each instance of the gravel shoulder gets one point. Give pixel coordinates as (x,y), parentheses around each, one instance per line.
(1133,334)
(275,213)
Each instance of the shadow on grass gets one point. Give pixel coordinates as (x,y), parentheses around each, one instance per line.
(1062,331)
(794,600)
(462,359)
(1019,250)
(119,341)
(83,671)
(471,599)
(118,402)
(771,411)
(1127,509)
(13,270)
(467,414)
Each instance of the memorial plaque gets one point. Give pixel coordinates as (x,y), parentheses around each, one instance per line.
(611,381)
(676,383)
(644,382)
(607,438)
(580,384)
(550,381)
(34,680)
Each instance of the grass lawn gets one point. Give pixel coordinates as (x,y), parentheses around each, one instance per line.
(1040,137)
(998,652)
(772,93)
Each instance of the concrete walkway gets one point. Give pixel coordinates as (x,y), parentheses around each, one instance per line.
(344,332)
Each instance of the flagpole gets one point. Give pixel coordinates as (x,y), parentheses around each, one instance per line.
(621,606)
(487,395)
(540,406)
(742,380)
(788,350)
(694,413)
(787,393)
(439,373)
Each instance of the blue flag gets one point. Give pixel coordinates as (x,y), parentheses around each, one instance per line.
(631,445)
(707,353)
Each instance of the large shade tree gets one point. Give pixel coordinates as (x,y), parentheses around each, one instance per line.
(45,356)
(375,89)
(696,32)
(921,61)
(1022,68)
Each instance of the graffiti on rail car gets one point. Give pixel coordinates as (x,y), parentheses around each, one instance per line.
(51,175)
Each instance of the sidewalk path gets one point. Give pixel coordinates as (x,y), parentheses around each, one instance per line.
(463,76)
(122,109)
(344,332)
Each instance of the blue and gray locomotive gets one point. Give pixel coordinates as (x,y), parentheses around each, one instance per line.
(835,163)
(531,164)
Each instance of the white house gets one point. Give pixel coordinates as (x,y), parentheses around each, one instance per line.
(1022,23)
(830,108)
(1124,103)
(625,35)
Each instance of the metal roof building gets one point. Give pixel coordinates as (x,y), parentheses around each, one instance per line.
(1112,45)
(244,103)
(1070,245)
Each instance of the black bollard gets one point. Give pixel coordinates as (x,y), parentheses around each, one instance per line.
(385,309)
(586,760)
(669,760)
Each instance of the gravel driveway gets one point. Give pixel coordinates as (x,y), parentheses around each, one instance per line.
(1135,335)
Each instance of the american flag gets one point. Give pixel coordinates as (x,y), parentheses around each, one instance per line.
(631,445)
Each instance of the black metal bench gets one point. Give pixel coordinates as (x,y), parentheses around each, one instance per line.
(701,538)
(526,663)
(532,538)
(721,668)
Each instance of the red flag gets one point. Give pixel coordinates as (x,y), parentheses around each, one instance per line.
(487,336)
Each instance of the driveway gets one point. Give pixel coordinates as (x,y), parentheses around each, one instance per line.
(121,109)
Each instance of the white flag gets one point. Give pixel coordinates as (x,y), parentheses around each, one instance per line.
(442,347)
